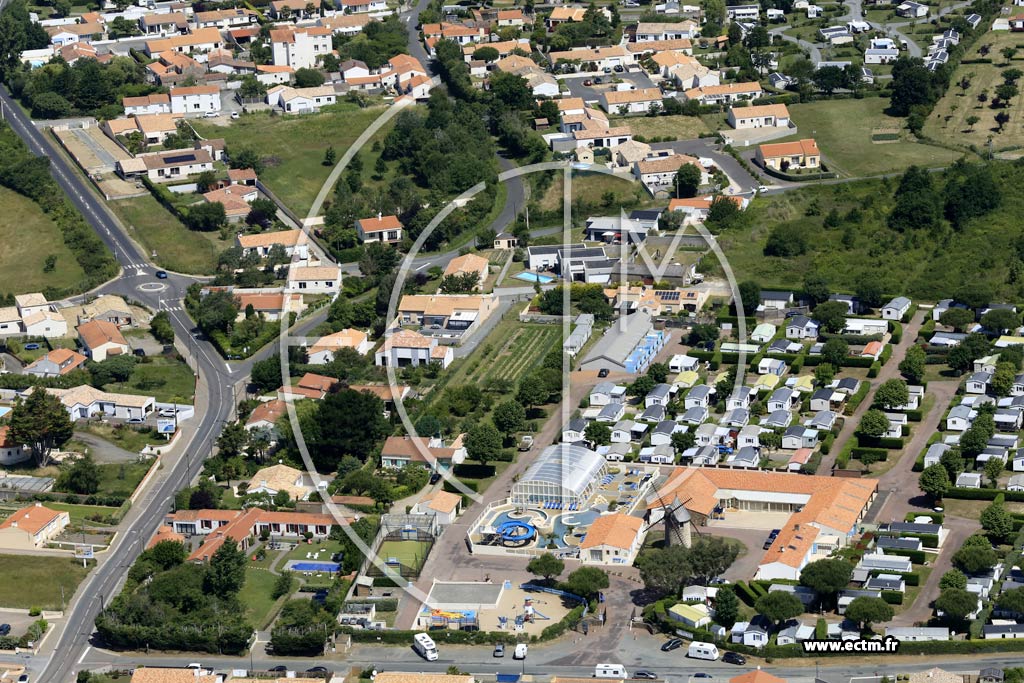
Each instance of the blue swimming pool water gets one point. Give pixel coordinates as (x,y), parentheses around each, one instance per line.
(505,517)
(304,566)
(535,277)
(4,410)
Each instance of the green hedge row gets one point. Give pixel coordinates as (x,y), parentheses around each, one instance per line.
(914,415)
(893,597)
(875,368)
(927,540)
(858,397)
(916,556)
(879,454)
(984,494)
(896,331)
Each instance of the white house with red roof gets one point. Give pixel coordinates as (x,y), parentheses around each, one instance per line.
(380,229)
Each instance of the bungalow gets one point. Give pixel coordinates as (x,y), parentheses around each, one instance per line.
(823,420)
(196,99)
(762,116)
(754,633)
(1007,419)
(301,100)
(613,412)
(777,419)
(782,398)
(897,421)
(690,615)
(323,349)
(55,363)
(737,417)
(698,397)
(612,539)
(771,366)
(784,346)
(699,414)
(740,398)
(683,363)
(83,402)
(917,634)
(622,432)
(32,527)
(660,395)
(802,327)
(660,172)
(162,167)
(380,229)
(294,243)
(100,339)
(504,240)
(469,265)
(827,399)
(782,156)
(399,451)
(933,456)
(892,543)
(797,633)
(896,309)
(763,333)
(969,480)
(893,563)
(978,382)
(1015,483)
(724,94)
(630,101)
(912,10)
(960,418)
(658,455)
(771,300)
(886,582)
(314,280)
(801,457)
(572,432)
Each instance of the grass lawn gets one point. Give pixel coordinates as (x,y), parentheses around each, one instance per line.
(843,130)
(910,596)
(676,127)
(591,188)
(123,436)
(36,581)
(177,248)
(327,550)
(81,514)
(255,595)
(292,147)
(29,237)
(121,479)
(163,378)
(948,121)
(971,509)
(911,265)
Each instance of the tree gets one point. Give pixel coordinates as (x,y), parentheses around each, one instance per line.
(934,481)
(532,391)
(866,611)
(160,328)
(168,554)
(598,433)
(816,287)
(658,372)
(913,364)
(824,373)
(972,121)
(786,241)
(41,422)
(996,520)
(206,217)
(891,394)
(952,462)
(282,585)
(1008,52)
(834,352)
(826,577)
(345,422)
(750,296)
(831,315)
(1006,92)
(688,180)
(874,424)
(483,442)
(1000,320)
(1009,600)
(974,346)
(82,477)
(779,606)
(1003,379)
(641,386)
(682,441)
(226,574)
(912,85)
(486,54)
(509,417)
(308,78)
(217,311)
(771,441)
(954,578)
(727,606)
(869,290)
(724,213)
(546,566)
(829,79)
(976,555)
(955,605)
(330,156)
(669,570)
(206,181)
(586,581)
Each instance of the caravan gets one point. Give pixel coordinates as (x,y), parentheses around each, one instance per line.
(610,671)
(425,647)
(702,651)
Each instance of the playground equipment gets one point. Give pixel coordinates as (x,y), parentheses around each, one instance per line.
(516,532)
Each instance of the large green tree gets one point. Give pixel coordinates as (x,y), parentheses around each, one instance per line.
(41,422)
(346,422)
(483,442)
(867,611)
(226,573)
(827,577)
(934,481)
(891,394)
(547,566)
(779,606)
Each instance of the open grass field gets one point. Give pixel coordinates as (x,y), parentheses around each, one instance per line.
(591,188)
(948,121)
(29,237)
(83,514)
(123,436)
(121,479)
(36,581)
(843,130)
(163,378)
(916,265)
(410,553)
(677,127)
(292,147)
(177,248)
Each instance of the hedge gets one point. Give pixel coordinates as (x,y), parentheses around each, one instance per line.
(826,443)
(879,454)
(858,397)
(875,368)
(911,579)
(893,597)
(473,470)
(927,540)
(984,494)
(716,361)
(914,415)
(880,442)
(886,354)
(909,315)
(471,485)
(936,517)
(745,593)
(916,556)
(896,332)
(858,362)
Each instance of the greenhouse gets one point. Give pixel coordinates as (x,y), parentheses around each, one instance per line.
(564,474)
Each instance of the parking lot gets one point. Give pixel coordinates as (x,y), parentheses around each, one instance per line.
(575,82)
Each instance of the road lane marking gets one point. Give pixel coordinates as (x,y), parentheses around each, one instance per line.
(84,653)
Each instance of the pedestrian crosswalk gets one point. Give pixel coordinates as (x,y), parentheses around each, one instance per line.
(136,269)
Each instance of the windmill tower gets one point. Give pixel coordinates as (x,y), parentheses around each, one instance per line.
(677,524)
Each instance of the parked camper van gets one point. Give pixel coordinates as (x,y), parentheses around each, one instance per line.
(610,671)
(702,651)
(425,647)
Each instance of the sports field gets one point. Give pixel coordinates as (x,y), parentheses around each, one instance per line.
(410,554)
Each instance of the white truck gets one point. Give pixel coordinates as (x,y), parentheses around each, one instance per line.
(702,651)
(425,647)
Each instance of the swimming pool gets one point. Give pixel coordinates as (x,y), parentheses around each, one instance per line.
(4,410)
(527,276)
(306,566)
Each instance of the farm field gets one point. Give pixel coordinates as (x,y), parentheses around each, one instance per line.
(948,121)
(677,127)
(843,130)
(292,147)
(36,581)
(29,237)
(177,248)
(516,347)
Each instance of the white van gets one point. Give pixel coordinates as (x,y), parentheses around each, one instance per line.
(520,651)
(424,645)
(610,671)
(702,651)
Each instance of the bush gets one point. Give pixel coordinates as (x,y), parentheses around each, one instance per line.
(875,368)
(914,415)
(916,556)
(897,332)
(858,397)
(893,597)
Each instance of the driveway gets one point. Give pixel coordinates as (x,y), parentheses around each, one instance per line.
(104,452)
(707,147)
(638,79)
(753,541)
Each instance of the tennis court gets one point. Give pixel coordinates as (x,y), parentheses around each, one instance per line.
(410,554)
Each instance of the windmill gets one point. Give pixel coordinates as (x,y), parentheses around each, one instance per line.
(677,522)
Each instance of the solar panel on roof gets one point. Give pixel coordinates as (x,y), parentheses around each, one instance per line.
(179,158)
(669,295)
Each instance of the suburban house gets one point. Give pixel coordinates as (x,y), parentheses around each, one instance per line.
(783,156)
(277,478)
(314,280)
(156,103)
(660,172)
(243,526)
(32,527)
(301,100)
(55,363)
(724,94)
(292,241)
(612,539)
(380,229)
(196,99)
(85,401)
(162,167)
(408,348)
(300,47)
(469,264)
(630,101)
(761,116)
(399,451)
(100,339)
(444,505)
(323,349)
(452,316)
(912,10)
